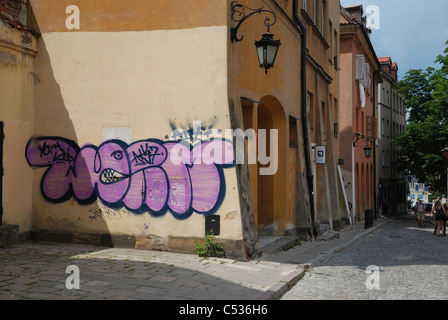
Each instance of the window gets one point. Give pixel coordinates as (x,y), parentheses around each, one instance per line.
(305,5)
(324,116)
(362,123)
(336,118)
(369,127)
(331,51)
(310,112)
(323,17)
(293,135)
(336,50)
(360,67)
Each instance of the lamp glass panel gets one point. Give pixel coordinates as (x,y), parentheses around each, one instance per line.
(367,152)
(260,52)
(271,53)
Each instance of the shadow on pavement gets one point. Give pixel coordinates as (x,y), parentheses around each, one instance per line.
(33,270)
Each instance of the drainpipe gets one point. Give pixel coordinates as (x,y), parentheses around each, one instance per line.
(309,168)
(375,196)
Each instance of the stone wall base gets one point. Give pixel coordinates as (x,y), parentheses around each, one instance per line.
(9,235)
(234,249)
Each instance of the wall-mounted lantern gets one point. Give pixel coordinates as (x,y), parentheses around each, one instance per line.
(267,47)
(367,151)
(367,148)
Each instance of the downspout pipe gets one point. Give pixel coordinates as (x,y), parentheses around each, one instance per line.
(305,124)
(375,195)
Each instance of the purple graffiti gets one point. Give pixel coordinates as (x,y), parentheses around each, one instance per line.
(148,175)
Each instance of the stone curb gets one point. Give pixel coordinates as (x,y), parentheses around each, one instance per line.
(281,287)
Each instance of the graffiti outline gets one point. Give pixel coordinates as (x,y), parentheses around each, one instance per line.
(139,177)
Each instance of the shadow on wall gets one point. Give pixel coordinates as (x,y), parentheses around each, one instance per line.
(149,175)
(51,118)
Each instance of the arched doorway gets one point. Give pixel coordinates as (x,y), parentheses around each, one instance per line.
(272,176)
(270,191)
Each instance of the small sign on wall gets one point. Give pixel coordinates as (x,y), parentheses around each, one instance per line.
(321,154)
(120,133)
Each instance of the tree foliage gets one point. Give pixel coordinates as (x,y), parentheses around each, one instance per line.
(425,94)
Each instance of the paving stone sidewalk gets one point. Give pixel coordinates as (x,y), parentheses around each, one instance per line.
(37,270)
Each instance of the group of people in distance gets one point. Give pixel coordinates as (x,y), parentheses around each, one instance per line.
(438,211)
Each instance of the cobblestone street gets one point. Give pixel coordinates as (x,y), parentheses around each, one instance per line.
(37,270)
(412,265)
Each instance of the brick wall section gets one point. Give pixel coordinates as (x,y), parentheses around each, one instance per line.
(11,13)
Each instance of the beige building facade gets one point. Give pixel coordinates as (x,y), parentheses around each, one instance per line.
(119,125)
(391,122)
(18,49)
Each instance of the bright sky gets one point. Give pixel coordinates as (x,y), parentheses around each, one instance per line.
(412,32)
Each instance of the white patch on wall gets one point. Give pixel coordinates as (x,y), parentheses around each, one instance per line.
(120,133)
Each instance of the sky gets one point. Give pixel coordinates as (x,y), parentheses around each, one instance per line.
(412,32)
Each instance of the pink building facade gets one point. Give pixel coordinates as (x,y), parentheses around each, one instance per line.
(358,77)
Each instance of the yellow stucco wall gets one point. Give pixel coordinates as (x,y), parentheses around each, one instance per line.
(149,66)
(17,50)
(129,67)
(278,95)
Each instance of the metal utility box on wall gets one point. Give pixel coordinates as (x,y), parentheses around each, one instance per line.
(213,224)
(321,154)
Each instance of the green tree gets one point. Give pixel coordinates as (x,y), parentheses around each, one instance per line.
(425,95)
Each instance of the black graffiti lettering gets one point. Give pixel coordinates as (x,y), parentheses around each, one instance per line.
(103,214)
(59,154)
(145,156)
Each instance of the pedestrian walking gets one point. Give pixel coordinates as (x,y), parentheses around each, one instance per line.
(433,205)
(440,217)
(445,206)
(420,212)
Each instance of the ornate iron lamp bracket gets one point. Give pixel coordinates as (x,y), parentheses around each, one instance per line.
(367,149)
(239,15)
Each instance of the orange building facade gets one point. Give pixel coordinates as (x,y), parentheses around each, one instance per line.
(359,77)
(111,90)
